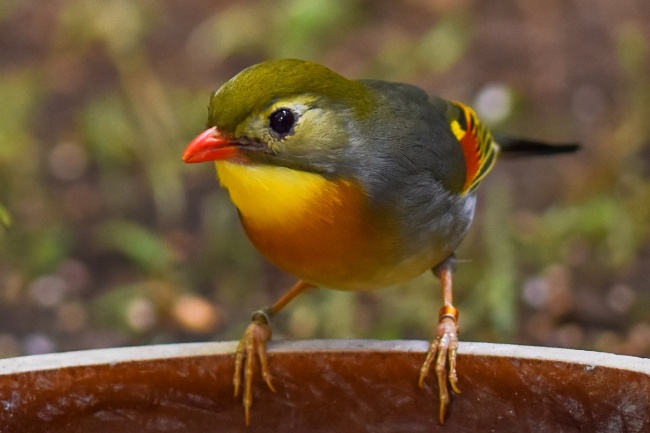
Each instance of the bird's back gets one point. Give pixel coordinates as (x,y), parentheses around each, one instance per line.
(414,169)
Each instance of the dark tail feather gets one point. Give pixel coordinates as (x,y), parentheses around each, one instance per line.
(516,147)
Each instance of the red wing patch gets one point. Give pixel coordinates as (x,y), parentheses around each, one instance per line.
(478,146)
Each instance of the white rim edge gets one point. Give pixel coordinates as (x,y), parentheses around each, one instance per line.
(143,353)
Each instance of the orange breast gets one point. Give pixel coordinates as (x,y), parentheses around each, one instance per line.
(334,240)
(323,231)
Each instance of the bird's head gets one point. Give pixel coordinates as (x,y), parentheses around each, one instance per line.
(288,113)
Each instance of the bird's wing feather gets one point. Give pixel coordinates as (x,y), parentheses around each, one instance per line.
(479,148)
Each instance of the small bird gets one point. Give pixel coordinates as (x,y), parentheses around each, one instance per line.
(349,185)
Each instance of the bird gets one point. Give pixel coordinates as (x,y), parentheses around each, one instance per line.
(352,185)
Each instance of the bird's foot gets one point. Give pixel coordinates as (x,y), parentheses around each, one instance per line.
(252,345)
(443,350)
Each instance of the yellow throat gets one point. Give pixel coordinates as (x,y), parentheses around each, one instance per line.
(270,195)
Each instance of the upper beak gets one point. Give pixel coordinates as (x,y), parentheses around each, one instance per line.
(210,145)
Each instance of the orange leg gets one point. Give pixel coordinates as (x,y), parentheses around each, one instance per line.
(253,343)
(444,347)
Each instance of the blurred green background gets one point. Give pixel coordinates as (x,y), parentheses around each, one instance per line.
(108,239)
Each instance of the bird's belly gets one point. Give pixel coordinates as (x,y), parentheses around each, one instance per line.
(339,253)
(322,231)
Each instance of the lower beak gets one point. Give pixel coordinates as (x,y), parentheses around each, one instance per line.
(210,145)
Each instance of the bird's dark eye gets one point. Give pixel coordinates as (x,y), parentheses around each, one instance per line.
(281,121)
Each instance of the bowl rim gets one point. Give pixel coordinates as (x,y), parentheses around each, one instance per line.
(94,357)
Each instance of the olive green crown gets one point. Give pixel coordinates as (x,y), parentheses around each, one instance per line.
(259,86)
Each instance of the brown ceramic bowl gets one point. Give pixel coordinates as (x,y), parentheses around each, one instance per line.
(324,386)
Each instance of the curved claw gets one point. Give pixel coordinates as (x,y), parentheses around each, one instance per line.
(252,344)
(443,350)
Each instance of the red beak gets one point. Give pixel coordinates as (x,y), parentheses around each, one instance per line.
(210,145)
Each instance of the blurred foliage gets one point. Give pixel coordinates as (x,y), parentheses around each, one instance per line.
(272,28)
(108,239)
(5,216)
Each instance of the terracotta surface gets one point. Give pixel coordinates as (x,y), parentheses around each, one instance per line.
(324,386)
